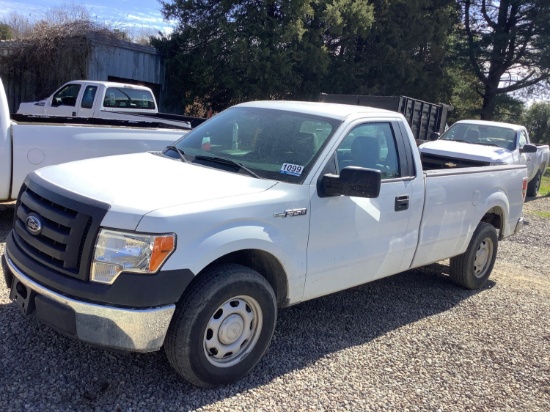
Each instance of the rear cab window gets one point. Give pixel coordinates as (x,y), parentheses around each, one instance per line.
(128,98)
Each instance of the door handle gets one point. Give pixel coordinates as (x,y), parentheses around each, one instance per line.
(401,203)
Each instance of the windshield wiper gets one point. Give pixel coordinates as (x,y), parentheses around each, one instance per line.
(489,144)
(225,161)
(179,151)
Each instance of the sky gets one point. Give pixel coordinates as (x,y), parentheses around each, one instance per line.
(117,14)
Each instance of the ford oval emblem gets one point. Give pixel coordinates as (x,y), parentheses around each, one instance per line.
(34,225)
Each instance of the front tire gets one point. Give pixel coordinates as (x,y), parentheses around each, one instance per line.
(222,327)
(534,185)
(472,269)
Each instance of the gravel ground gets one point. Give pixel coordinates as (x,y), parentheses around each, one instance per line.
(412,342)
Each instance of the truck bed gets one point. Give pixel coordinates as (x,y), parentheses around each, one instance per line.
(447,211)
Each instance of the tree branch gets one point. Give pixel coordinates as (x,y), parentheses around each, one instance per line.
(471,55)
(523,83)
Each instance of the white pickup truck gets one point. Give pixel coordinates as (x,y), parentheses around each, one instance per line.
(26,146)
(266,205)
(470,143)
(87,98)
(90,99)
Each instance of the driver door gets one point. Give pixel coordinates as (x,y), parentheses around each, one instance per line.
(527,159)
(64,101)
(354,240)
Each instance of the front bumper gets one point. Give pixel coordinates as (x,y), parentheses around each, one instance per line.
(140,330)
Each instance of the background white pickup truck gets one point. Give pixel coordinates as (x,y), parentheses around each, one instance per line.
(26,146)
(477,143)
(105,100)
(266,205)
(87,98)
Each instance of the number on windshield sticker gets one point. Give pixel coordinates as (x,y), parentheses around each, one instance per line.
(290,169)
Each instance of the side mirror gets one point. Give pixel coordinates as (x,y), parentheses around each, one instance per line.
(352,181)
(434,135)
(528,148)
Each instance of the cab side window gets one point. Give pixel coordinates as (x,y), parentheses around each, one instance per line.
(522,138)
(371,146)
(89,96)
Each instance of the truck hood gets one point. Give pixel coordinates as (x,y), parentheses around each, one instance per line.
(482,153)
(24,108)
(140,183)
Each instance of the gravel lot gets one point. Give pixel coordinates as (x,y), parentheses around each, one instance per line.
(412,342)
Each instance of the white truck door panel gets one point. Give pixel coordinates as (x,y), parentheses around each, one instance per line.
(527,159)
(354,240)
(64,102)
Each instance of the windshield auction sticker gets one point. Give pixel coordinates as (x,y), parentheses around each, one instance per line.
(290,169)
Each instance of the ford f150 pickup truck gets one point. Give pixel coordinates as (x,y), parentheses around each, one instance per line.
(105,100)
(266,205)
(477,143)
(26,146)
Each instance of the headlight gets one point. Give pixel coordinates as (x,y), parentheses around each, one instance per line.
(129,252)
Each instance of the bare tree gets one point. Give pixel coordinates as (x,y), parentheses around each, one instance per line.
(508,45)
(20,26)
(67,13)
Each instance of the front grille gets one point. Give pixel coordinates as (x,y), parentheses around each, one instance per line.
(68,230)
(431,162)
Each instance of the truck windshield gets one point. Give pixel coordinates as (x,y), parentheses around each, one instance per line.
(274,144)
(481,134)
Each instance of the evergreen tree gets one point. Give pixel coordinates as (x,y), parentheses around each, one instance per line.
(226,51)
(405,51)
(6,32)
(537,121)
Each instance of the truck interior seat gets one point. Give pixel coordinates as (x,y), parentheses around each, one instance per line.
(365,152)
(304,146)
(472,136)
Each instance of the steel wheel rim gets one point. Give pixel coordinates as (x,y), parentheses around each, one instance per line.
(232,331)
(483,257)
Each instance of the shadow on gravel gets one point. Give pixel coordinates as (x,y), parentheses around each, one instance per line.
(44,370)
(539,196)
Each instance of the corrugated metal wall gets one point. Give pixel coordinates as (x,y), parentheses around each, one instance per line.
(125,60)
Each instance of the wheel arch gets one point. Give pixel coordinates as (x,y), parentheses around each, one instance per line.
(497,212)
(262,262)
(495,217)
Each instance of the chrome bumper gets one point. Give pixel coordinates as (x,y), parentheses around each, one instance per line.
(140,330)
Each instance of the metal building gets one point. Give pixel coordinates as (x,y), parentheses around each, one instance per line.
(106,58)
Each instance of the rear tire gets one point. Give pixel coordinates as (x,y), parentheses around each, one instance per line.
(472,269)
(222,327)
(534,185)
